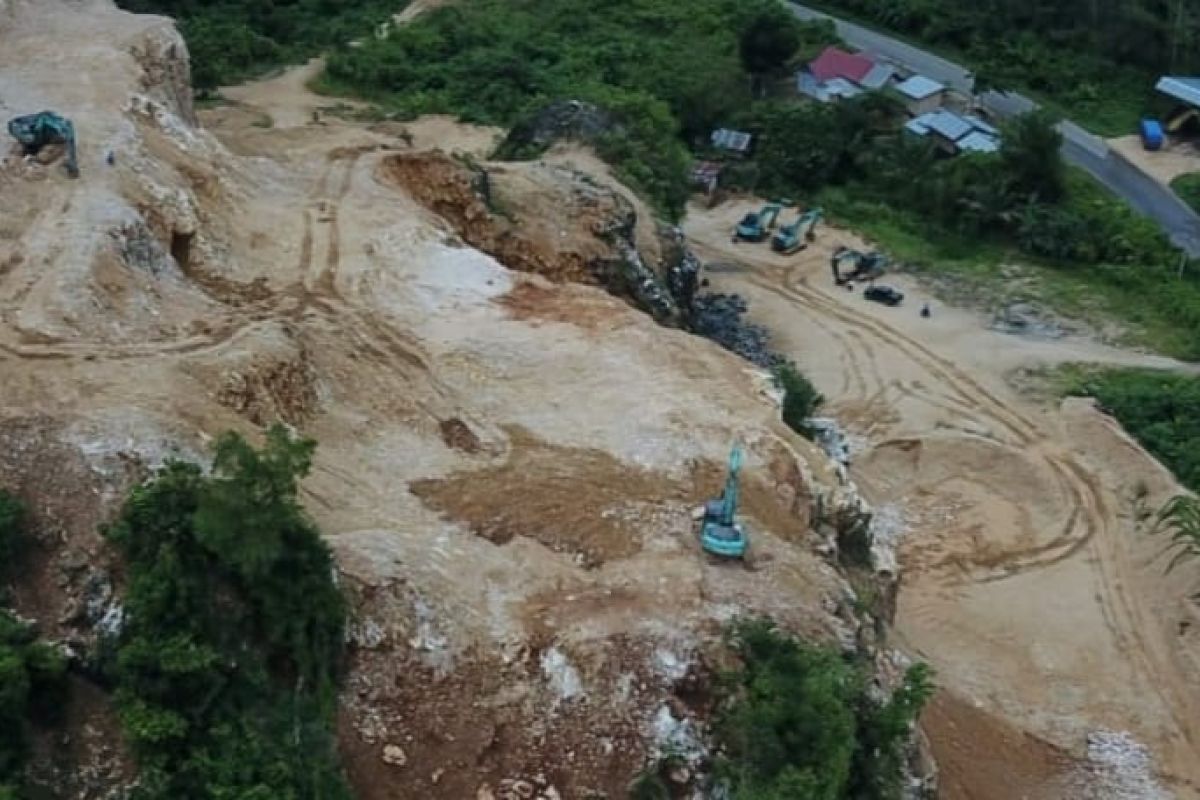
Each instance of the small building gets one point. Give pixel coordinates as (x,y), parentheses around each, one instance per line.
(706,175)
(921,95)
(954,133)
(837,74)
(732,141)
(1187,92)
(978,142)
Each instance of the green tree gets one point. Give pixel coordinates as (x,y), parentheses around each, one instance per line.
(1029,152)
(32,680)
(799,722)
(769,39)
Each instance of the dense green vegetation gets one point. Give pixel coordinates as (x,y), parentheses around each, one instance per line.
(31,689)
(1188,189)
(1097,60)
(801,723)
(225,667)
(670,71)
(31,672)
(231,40)
(1160,409)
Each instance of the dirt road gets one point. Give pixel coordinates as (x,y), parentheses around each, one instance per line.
(1027,580)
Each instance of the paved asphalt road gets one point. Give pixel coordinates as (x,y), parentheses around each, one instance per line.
(1080,148)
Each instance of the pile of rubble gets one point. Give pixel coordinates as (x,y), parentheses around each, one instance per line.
(720,317)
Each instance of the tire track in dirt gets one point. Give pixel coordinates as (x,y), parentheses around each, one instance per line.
(1087,524)
(980,401)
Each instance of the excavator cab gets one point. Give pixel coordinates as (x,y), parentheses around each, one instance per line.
(35,131)
(862,266)
(720,532)
(755,225)
(795,237)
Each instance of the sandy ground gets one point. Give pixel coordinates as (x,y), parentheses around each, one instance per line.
(1175,159)
(1028,581)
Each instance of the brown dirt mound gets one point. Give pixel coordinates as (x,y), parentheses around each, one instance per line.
(538,493)
(982,757)
(589,505)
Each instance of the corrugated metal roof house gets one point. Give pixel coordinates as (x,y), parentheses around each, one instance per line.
(1185,89)
(837,63)
(948,125)
(955,133)
(921,94)
(978,142)
(837,74)
(733,141)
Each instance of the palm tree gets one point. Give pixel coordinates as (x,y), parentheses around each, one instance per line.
(1181,517)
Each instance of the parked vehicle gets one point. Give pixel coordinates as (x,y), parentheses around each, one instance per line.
(884,294)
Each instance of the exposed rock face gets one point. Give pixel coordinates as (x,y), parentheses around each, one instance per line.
(562,119)
(166,70)
(552,221)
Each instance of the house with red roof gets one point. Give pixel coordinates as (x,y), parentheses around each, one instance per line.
(836,74)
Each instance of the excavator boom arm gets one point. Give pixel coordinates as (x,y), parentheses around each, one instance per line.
(729,500)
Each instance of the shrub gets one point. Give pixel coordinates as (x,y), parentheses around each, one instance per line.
(800,399)
(31,683)
(799,721)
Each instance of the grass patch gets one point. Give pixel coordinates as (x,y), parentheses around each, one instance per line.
(1188,189)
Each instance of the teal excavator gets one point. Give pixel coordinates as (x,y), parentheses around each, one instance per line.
(795,237)
(720,532)
(862,266)
(755,225)
(35,131)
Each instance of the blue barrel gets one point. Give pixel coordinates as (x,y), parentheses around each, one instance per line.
(1152,134)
